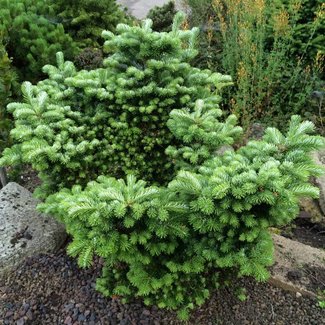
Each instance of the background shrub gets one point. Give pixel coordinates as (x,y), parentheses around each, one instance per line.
(162,17)
(308,35)
(33,37)
(269,48)
(7,78)
(86,19)
(89,59)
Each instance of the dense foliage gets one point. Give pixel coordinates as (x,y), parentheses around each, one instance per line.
(86,19)
(162,17)
(149,113)
(78,125)
(308,37)
(172,246)
(33,37)
(7,78)
(272,49)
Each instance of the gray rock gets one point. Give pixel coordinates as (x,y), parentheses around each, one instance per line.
(319,158)
(24,231)
(140,8)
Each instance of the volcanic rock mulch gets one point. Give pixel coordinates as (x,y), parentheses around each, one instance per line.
(51,289)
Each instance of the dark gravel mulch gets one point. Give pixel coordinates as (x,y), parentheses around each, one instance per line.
(51,289)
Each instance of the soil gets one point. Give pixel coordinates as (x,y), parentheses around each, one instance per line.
(305,231)
(312,276)
(24,176)
(51,289)
(316,277)
(29,179)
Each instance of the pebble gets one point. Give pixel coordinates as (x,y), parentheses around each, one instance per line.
(81,318)
(68,320)
(20,321)
(146,312)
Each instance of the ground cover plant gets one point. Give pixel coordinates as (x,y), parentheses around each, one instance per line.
(172,212)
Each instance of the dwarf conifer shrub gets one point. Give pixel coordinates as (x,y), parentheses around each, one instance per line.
(172,244)
(77,125)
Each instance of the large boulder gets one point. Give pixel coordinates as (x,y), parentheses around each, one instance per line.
(319,158)
(23,230)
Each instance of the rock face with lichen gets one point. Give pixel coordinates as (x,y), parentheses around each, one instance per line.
(24,231)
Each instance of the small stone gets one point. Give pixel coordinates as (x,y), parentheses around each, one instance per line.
(20,321)
(68,307)
(298,294)
(81,318)
(9,314)
(144,322)
(294,275)
(146,312)
(68,320)
(29,315)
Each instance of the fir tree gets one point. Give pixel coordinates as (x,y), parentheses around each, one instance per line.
(111,120)
(173,246)
(169,245)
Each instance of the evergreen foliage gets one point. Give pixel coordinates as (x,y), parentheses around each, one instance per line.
(162,17)
(75,125)
(308,37)
(86,19)
(169,245)
(34,37)
(7,78)
(172,246)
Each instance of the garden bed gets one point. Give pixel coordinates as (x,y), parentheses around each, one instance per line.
(51,289)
